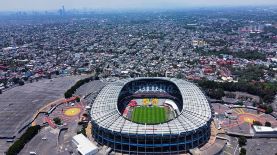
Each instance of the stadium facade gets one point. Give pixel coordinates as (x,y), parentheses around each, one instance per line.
(187,130)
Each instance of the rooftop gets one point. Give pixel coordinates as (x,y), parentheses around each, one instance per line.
(264,129)
(84,145)
(195,114)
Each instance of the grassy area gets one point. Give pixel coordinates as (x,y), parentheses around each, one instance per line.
(69,93)
(149,115)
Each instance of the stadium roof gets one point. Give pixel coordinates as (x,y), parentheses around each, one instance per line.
(196,110)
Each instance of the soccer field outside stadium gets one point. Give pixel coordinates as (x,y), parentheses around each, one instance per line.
(149,115)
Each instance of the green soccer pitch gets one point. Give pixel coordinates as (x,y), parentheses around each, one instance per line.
(149,115)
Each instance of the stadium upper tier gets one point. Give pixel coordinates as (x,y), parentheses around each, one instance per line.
(195,109)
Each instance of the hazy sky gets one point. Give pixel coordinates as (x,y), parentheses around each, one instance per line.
(16,5)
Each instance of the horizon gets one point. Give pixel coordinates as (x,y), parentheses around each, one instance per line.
(41,5)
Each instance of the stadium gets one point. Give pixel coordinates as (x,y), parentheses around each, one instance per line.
(151,116)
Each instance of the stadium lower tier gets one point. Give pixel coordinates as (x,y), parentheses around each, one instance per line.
(151,144)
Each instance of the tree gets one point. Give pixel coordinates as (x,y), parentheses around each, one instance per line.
(57,120)
(49,76)
(25,138)
(265,90)
(15,148)
(268,124)
(257,123)
(15,80)
(78,99)
(69,93)
(242,141)
(179,75)
(98,70)
(83,130)
(25,78)
(269,110)
(254,104)
(240,103)
(215,93)
(21,83)
(242,151)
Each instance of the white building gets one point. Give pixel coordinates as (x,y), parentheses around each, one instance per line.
(84,145)
(264,131)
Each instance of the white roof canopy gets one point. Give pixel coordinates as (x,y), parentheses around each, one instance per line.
(196,110)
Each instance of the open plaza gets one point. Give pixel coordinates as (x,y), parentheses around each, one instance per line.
(239,119)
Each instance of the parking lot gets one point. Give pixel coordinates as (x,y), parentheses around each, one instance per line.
(261,146)
(20,103)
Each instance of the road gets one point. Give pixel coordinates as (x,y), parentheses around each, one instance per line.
(231,147)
